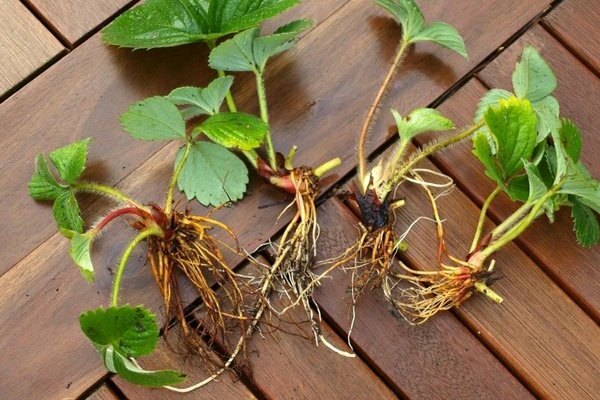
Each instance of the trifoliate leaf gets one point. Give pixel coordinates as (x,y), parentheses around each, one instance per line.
(513,126)
(234,130)
(131,331)
(419,121)
(70,160)
(212,174)
(167,23)
(407,14)
(537,188)
(547,111)
(67,213)
(139,376)
(42,185)
(202,101)
(585,224)
(81,251)
(155,118)
(444,35)
(571,139)
(533,78)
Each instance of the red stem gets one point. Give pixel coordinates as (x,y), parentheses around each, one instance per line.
(118,213)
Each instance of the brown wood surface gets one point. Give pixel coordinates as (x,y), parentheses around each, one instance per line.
(103,393)
(575,23)
(25,44)
(578,92)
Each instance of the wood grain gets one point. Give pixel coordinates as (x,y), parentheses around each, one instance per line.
(538,331)
(25,44)
(576,24)
(578,91)
(103,393)
(75,19)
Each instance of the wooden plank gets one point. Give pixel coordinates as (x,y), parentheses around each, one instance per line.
(26,44)
(103,393)
(578,91)
(538,331)
(576,24)
(74,19)
(438,360)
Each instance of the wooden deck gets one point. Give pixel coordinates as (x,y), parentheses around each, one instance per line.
(58,83)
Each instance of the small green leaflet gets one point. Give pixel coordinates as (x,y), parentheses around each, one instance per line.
(167,23)
(201,101)
(139,376)
(483,151)
(223,175)
(571,139)
(537,188)
(419,121)
(234,130)
(81,251)
(70,160)
(585,224)
(410,17)
(248,51)
(533,78)
(67,213)
(547,111)
(490,99)
(43,185)
(155,118)
(581,185)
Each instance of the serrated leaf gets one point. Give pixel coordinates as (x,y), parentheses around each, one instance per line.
(419,121)
(201,101)
(571,139)
(513,126)
(70,160)
(67,213)
(43,185)
(155,118)
(547,111)
(234,130)
(581,185)
(490,99)
(81,251)
(585,224)
(139,376)
(533,78)
(407,14)
(443,35)
(131,331)
(212,174)
(167,23)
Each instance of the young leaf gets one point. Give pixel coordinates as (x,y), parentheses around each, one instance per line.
(234,130)
(537,188)
(138,376)
(80,251)
(70,160)
(444,35)
(490,99)
(407,14)
(212,174)
(585,224)
(131,331)
(67,213)
(155,118)
(42,185)
(533,78)
(202,101)
(513,126)
(167,23)
(419,121)
(483,151)
(571,139)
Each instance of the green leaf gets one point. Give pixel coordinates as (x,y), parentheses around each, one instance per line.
(202,101)
(155,118)
(518,188)
(234,130)
(43,185)
(537,188)
(407,14)
(490,99)
(571,139)
(547,111)
(581,185)
(513,126)
(67,213)
(70,160)
(585,224)
(283,39)
(419,121)
(167,23)
(131,331)
(533,78)
(80,251)
(444,35)
(483,151)
(139,376)
(212,174)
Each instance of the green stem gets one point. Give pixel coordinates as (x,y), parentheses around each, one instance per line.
(106,191)
(361,152)
(328,166)
(175,177)
(228,97)
(482,216)
(264,115)
(147,232)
